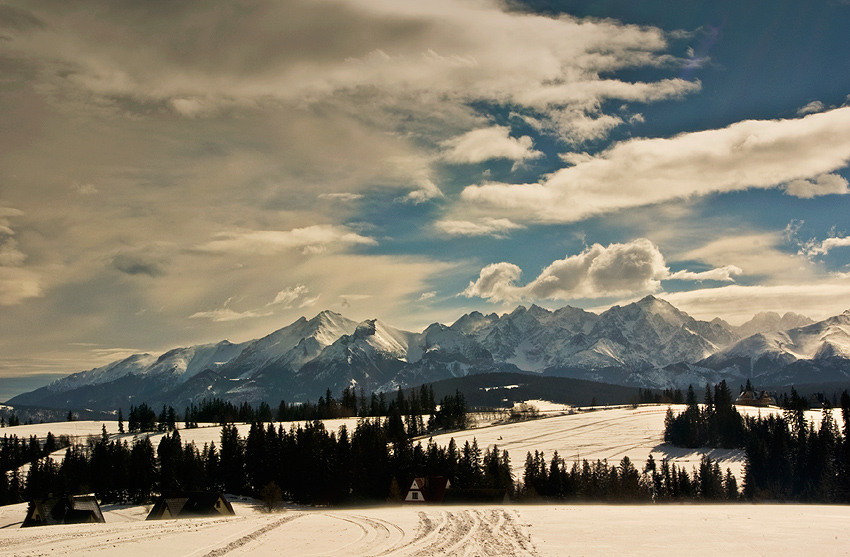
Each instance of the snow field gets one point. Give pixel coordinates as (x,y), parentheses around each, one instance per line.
(414,531)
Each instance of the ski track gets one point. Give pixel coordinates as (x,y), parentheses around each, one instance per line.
(469,533)
(67,540)
(248,538)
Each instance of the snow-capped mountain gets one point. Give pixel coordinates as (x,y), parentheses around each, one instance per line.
(649,343)
(778,357)
(771,322)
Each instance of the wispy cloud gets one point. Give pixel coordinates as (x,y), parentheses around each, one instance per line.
(487,226)
(812,107)
(310,239)
(227,314)
(296,296)
(343,196)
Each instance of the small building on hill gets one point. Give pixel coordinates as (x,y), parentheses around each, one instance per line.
(428,489)
(68,509)
(190,504)
(756,398)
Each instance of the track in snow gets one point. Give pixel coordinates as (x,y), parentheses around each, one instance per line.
(468,532)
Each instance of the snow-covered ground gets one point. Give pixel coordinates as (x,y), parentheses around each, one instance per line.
(532,530)
(544,531)
(602,434)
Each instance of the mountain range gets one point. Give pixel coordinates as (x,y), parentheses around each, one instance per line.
(648,343)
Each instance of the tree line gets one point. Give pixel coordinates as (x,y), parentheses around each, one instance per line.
(14,453)
(788,457)
(406,412)
(307,463)
(602,482)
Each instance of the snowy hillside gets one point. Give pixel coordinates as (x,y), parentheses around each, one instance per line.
(418,531)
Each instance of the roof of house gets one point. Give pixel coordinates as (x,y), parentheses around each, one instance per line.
(190,503)
(68,509)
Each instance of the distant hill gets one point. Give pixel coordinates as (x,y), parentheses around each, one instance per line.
(501,390)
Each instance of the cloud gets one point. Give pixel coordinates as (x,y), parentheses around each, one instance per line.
(748,154)
(488,143)
(84,189)
(18,19)
(295,296)
(825,184)
(498,228)
(813,247)
(310,239)
(496,283)
(812,107)
(723,274)
(18,284)
(347,299)
(393,59)
(426,192)
(341,196)
(227,314)
(427,296)
(150,260)
(10,255)
(599,271)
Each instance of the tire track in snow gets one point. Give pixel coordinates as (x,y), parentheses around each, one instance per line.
(64,540)
(236,544)
(470,532)
(376,533)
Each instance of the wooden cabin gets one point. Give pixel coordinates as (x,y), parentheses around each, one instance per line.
(755,398)
(428,489)
(190,504)
(68,509)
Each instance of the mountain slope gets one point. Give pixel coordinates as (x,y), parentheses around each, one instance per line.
(648,343)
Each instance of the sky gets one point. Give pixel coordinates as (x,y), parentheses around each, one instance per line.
(175,172)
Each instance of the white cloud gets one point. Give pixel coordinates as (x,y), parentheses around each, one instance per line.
(812,107)
(310,239)
(295,296)
(813,247)
(426,192)
(748,154)
(489,143)
(723,274)
(427,296)
(498,228)
(497,283)
(289,295)
(344,196)
(227,314)
(598,271)
(825,184)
